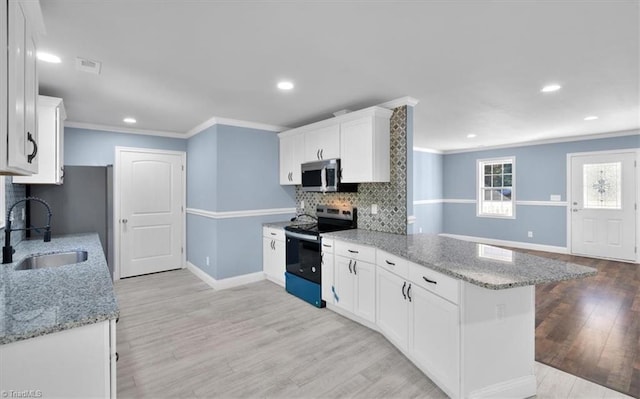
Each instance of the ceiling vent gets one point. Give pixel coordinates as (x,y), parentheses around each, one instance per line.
(86,65)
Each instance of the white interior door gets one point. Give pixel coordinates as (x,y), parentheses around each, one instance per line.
(151,193)
(603,205)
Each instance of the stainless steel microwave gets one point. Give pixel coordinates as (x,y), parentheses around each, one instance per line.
(324,177)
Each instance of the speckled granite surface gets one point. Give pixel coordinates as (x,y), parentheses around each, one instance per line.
(482,265)
(278,225)
(42,301)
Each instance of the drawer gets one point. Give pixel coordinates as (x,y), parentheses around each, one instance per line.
(273,232)
(327,245)
(355,251)
(392,263)
(444,286)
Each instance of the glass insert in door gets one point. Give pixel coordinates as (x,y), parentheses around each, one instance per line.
(602,185)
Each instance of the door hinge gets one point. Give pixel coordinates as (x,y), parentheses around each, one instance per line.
(182,167)
(181,250)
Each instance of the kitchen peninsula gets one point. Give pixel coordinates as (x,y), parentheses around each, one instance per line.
(462,312)
(57,324)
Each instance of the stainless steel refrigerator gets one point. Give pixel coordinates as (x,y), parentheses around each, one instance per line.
(83,204)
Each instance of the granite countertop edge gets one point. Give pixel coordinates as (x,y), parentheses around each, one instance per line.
(344,235)
(86,295)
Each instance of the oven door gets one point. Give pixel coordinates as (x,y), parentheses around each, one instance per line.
(303,256)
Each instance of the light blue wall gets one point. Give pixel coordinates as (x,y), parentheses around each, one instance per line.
(249,165)
(427,185)
(202,170)
(232,169)
(83,147)
(540,172)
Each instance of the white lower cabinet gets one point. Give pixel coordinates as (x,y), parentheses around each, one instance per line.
(423,325)
(355,287)
(327,274)
(75,363)
(273,254)
(434,338)
(470,341)
(393,308)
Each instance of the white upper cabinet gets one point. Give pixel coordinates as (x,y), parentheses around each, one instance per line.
(19,88)
(291,152)
(323,143)
(360,139)
(364,148)
(51,116)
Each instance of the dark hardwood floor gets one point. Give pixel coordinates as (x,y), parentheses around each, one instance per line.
(591,327)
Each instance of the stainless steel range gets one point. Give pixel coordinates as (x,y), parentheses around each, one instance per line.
(303,277)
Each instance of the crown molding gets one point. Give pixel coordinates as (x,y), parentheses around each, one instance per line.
(429,150)
(399,102)
(548,141)
(120,129)
(232,122)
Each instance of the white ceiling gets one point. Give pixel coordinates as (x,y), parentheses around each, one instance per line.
(476,66)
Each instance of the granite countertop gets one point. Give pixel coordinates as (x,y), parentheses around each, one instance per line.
(277,225)
(42,301)
(483,265)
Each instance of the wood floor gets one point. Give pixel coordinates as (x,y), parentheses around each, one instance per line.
(179,338)
(591,327)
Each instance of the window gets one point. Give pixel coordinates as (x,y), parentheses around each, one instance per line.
(496,183)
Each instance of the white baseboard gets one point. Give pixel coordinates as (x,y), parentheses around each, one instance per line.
(227,282)
(522,387)
(514,244)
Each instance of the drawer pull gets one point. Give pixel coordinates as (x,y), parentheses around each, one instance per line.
(326,245)
(274,234)
(352,251)
(390,263)
(429,281)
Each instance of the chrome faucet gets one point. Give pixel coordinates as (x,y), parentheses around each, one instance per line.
(7,250)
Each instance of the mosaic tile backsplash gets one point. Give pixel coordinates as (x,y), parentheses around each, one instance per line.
(391,197)
(13,193)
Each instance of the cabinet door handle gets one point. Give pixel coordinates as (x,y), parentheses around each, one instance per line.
(35,148)
(408,290)
(322,259)
(321,155)
(124,221)
(354,267)
(390,263)
(350,266)
(62,173)
(403,287)
(352,251)
(318,154)
(429,281)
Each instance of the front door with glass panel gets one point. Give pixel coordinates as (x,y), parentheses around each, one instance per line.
(603,205)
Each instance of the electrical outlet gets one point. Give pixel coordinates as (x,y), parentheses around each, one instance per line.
(207,261)
(374,209)
(530,234)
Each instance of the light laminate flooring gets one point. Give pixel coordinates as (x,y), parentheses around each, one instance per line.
(177,338)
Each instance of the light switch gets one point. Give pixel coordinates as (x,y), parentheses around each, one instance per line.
(374,209)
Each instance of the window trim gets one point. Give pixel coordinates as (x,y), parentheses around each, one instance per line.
(480,182)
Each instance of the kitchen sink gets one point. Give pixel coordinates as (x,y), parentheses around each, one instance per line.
(52,260)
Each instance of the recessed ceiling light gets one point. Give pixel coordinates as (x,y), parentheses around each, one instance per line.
(591,118)
(46,57)
(285,85)
(551,88)
(470,136)
(129,120)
